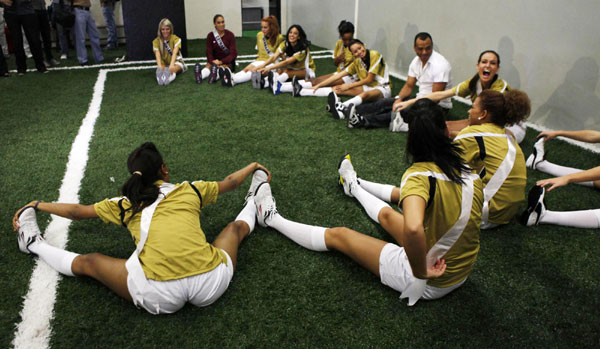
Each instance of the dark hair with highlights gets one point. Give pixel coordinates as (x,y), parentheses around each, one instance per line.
(505,109)
(475,78)
(140,190)
(428,142)
(301,44)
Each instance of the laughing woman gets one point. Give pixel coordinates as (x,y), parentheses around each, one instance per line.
(221,53)
(172,264)
(296,60)
(167,49)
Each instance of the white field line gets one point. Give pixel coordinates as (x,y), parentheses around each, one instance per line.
(38,306)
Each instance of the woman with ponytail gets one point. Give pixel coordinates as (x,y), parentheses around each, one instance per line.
(172,264)
(437,235)
(486,78)
(492,151)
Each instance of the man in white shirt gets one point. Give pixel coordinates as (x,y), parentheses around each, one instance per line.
(429,69)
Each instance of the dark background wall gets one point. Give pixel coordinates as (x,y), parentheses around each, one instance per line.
(141,18)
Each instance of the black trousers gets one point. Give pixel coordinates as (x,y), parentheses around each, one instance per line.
(44,25)
(3,66)
(378,113)
(29,23)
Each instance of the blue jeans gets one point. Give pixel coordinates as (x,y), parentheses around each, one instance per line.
(85,23)
(109,17)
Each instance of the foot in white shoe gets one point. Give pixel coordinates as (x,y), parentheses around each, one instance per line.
(348,178)
(28,232)
(537,155)
(265,204)
(397,124)
(259,176)
(536,207)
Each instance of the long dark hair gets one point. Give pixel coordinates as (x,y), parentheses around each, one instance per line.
(144,164)
(428,142)
(475,78)
(301,44)
(505,109)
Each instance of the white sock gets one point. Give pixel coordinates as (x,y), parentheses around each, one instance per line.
(286,87)
(283,77)
(59,259)
(241,77)
(558,170)
(577,219)
(356,100)
(320,92)
(307,236)
(266,82)
(381,191)
(369,202)
(305,84)
(205,73)
(248,214)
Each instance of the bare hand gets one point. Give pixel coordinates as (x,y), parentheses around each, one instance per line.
(6,2)
(436,270)
(217,62)
(16,216)
(400,105)
(548,135)
(340,88)
(553,182)
(264,168)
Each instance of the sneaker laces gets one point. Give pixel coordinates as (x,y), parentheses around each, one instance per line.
(270,210)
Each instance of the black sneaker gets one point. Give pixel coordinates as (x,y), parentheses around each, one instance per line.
(354,120)
(213,75)
(332,101)
(270,79)
(296,87)
(198,73)
(226,78)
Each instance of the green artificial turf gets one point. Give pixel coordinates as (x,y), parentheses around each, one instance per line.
(533,286)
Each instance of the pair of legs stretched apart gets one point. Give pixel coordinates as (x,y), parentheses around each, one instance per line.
(537,212)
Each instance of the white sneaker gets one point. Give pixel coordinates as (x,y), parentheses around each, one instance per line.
(536,207)
(159,76)
(537,155)
(259,176)
(348,178)
(63,56)
(28,232)
(265,204)
(397,124)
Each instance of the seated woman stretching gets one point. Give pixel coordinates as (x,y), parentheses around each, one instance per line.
(371,82)
(489,149)
(342,59)
(296,60)
(267,42)
(536,212)
(167,49)
(173,263)
(486,78)
(221,53)
(437,235)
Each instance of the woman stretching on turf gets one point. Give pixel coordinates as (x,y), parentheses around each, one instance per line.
(267,42)
(493,153)
(173,263)
(167,47)
(438,232)
(296,60)
(536,212)
(221,52)
(486,78)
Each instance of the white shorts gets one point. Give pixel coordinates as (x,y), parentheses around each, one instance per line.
(386,91)
(349,79)
(183,66)
(395,272)
(165,297)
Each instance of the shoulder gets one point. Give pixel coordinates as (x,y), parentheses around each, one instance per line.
(229,33)
(259,35)
(439,60)
(500,85)
(210,36)
(414,62)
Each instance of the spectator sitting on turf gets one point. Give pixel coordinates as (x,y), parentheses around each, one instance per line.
(486,77)
(221,53)
(173,263)
(167,49)
(438,229)
(536,212)
(429,69)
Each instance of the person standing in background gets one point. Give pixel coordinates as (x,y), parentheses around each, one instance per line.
(108,11)
(84,23)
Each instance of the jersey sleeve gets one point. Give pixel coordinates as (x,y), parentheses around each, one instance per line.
(176,42)
(376,63)
(301,55)
(469,148)
(155,45)
(108,209)
(230,43)
(208,190)
(462,90)
(339,46)
(352,69)
(415,185)
(281,48)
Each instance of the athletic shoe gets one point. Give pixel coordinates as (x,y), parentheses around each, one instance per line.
(166,76)
(271,78)
(347,175)
(397,124)
(537,155)
(262,81)
(254,77)
(259,176)
(213,74)
(355,120)
(265,204)
(536,207)
(348,110)
(226,77)
(159,76)
(28,232)
(198,73)
(63,56)
(332,101)
(296,87)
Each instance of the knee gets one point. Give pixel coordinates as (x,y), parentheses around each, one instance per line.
(385,215)
(84,264)
(334,237)
(241,228)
